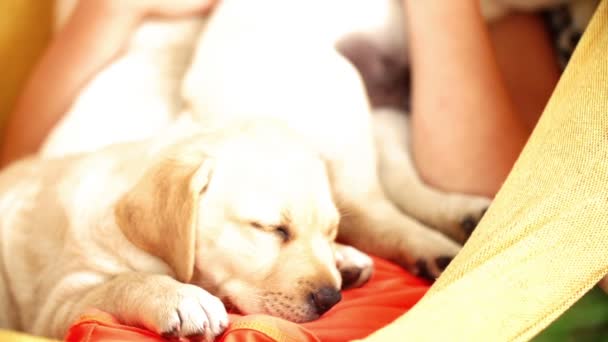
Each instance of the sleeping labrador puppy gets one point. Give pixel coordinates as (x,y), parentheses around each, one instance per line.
(160,232)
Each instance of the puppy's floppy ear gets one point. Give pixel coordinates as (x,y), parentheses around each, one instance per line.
(159,214)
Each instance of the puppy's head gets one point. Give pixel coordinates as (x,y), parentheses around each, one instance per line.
(254,224)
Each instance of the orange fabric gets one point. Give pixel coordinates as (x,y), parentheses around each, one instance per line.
(389,294)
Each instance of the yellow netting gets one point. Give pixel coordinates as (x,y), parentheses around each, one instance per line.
(544,241)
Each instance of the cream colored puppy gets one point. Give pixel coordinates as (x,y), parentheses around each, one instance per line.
(246,215)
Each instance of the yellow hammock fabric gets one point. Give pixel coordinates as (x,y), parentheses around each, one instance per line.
(544,241)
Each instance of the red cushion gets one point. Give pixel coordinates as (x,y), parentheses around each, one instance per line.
(389,294)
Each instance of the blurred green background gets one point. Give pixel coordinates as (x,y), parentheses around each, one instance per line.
(586,321)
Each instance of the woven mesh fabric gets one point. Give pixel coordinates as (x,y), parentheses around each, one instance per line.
(544,241)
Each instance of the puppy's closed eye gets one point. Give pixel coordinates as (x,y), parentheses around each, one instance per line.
(282,231)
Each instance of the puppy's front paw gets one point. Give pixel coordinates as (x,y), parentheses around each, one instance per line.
(186,311)
(355,267)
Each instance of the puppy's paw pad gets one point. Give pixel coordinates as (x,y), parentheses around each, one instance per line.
(442,262)
(423,271)
(355,276)
(350,276)
(470,222)
(173,331)
(468,225)
(431,269)
(355,267)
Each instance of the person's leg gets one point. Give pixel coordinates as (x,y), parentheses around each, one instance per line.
(528,62)
(467,128)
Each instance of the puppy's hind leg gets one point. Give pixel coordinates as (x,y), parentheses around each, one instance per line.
(370,222)
(455,215)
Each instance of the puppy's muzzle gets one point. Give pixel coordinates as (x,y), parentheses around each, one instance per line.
(325,298)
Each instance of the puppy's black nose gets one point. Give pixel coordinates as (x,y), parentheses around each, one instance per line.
(325,298)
